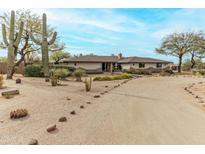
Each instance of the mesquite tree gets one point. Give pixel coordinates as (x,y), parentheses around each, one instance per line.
(44,43)
(176,44)
(198,47)
(12,43)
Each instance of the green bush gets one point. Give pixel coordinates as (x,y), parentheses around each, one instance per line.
(138,71)
(114,77)
(78,73)
(61,73)
(61,66)
(33,71)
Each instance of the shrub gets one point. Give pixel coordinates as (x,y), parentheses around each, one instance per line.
(33,71)
(61,73)
(114,77)
(138,71)
(78,73)
(1,81)
(61,66)
(198,72)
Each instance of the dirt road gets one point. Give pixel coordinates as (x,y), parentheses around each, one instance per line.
(153,110)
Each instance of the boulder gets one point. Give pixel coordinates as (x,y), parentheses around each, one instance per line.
(73,112)
(51,128)
(62,119)
(82,107)
(33,142)
(10,92)
(18,81)
(96,96)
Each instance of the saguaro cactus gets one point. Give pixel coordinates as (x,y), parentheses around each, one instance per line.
(12,44)
(44,43)
(88,84)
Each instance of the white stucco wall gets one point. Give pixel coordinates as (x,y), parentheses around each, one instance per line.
(147,65)
(87,66)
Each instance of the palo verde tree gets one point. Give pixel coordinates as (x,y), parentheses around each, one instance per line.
(176,44)
(59,55)
(27,49)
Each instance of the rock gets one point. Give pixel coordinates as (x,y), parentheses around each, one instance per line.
(82,107)
(185,88)
(33,142)
(96,96)
(68,98)
(102,93)
(106,86)
(51,128)
(88,102)
(10,92)
(47,79)
(197,97)
(105,91)
(18,81)
(201,101)
(73,112)
(62,119)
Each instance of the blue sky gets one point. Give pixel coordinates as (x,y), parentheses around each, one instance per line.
(134,32)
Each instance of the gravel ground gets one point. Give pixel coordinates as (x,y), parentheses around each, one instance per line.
(149,110)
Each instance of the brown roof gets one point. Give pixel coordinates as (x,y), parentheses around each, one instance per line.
(141,60)
(95,58)
(92,58)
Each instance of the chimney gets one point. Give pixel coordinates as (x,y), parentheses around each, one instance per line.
(120,56)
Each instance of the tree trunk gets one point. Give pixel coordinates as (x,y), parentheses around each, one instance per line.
(180,63)
(192,61)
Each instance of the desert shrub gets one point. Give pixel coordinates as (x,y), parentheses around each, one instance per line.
(138,71)
(33,71)
(166,72)
(78,73)
(61,73)
(61,66)
(199,72)
(1,81)
(114,77)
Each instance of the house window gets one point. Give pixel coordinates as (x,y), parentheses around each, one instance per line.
(159,65)
(133,64)
(75,64)
(141,65)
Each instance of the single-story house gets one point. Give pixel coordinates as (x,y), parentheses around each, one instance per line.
(95,63)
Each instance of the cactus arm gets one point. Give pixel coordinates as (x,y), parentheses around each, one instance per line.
(19,35)
(53,38)
(4,35)
(34,40)
(12,21)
